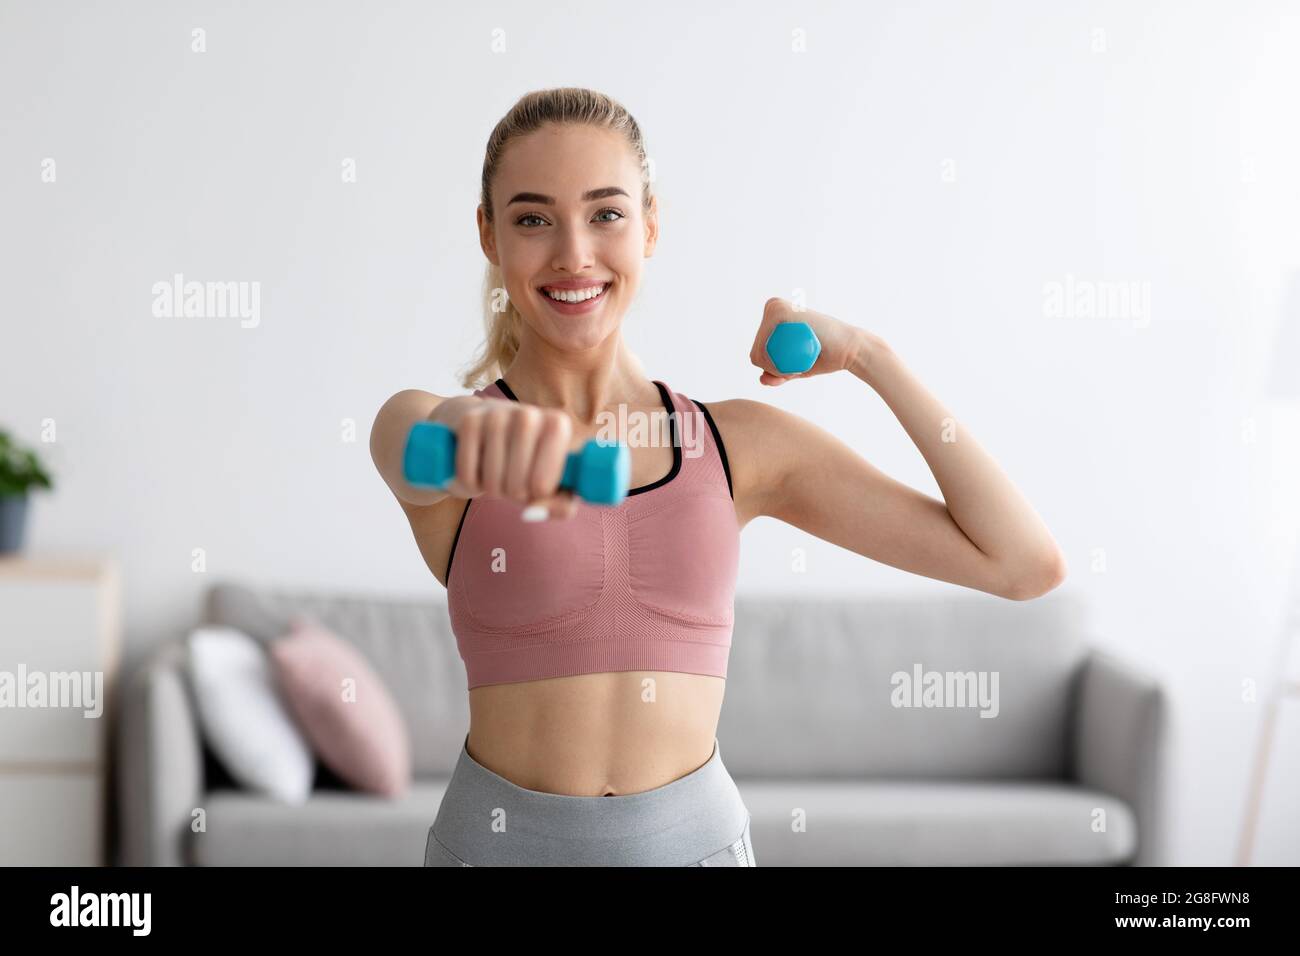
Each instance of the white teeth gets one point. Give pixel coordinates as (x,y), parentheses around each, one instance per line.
(576,295)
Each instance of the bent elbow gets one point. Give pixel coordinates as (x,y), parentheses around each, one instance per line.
(1048,576)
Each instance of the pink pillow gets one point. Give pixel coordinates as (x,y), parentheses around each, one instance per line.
(343,708)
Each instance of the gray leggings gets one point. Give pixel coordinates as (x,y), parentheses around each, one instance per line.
(485,820)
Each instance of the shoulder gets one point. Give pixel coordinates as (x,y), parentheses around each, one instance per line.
(750,432)
(747,419)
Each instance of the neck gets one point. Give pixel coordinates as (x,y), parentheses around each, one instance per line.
(584,384)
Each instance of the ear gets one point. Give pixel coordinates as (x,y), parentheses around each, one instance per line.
(487,239)
(651,226)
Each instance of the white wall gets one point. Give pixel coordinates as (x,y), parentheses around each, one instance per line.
(1168,158)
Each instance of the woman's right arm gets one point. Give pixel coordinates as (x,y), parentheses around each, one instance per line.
(503,447)
(393,424)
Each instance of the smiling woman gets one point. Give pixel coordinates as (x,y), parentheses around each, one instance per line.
(595,647)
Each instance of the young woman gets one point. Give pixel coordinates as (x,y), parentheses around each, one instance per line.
(595,641)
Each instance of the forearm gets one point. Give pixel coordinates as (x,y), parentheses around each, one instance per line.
(981,499)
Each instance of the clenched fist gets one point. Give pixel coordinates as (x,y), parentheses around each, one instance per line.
(839,340)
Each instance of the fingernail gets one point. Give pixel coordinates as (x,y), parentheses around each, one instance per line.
(534,513)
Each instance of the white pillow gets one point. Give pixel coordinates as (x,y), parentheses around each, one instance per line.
(244,719)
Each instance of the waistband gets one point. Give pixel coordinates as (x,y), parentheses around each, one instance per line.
(485,818)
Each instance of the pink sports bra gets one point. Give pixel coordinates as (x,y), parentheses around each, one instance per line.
(648,585)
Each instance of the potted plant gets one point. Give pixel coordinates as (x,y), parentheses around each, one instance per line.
(20,470)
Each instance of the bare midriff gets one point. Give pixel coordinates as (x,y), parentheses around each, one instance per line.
(591,735)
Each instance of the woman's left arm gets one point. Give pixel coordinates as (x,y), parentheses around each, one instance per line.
(984,534)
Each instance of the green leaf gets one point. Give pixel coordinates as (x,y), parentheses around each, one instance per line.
(20,468)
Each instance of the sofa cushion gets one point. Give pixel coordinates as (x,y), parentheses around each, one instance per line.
(938,823)
(845,823)
(335,827)
(343,708)
(408,642)
(245,720)
(811,687)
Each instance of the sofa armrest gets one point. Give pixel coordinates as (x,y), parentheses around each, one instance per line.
(1117,745)
(161,771)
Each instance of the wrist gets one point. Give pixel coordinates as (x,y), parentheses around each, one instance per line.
(868,352)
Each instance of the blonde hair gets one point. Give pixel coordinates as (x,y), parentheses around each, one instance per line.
(560,105)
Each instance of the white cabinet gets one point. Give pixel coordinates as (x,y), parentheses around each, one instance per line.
(60,648)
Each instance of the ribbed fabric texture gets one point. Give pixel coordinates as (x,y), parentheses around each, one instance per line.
(648,585)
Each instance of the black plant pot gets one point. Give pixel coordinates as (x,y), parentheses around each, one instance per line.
(13,518)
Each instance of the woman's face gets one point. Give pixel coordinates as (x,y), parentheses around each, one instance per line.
(550,232)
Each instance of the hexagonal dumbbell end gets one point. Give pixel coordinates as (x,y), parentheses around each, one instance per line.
(430,455)
(793,347)
(599,473)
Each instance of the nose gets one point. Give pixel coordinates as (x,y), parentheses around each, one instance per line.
(574,250)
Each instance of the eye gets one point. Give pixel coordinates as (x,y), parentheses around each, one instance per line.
(521,221)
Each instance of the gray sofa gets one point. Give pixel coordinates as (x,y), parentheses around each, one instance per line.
(834,773)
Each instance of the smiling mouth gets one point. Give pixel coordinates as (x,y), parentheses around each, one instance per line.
(576,296)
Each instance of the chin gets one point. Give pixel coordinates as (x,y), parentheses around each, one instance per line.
(583,342)
(578,337)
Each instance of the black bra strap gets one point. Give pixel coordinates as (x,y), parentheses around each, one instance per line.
(717,440)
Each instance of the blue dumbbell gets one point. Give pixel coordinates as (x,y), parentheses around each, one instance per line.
(793,347)
(598,473)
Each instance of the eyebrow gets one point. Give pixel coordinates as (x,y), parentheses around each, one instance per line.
(589,195)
